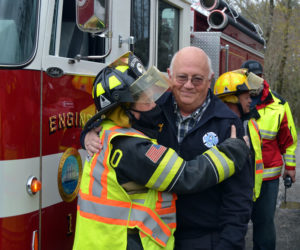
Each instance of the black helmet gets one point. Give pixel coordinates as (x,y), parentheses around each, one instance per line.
(253,66)
(124,81)
(111,85)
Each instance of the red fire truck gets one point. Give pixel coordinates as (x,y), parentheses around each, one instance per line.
(51,50)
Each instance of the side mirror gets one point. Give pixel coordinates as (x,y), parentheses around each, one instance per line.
(92,15)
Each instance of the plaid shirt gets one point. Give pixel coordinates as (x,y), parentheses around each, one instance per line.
(186,123)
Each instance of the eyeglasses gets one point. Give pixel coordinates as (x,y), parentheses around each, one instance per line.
(195,80)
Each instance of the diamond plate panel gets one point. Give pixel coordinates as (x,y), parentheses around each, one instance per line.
(210,43)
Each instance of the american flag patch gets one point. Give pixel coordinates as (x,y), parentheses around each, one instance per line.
(155,152)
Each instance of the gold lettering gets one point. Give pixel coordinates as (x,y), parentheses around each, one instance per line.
(52,124)
(61,120)
(70,119)
(76,119)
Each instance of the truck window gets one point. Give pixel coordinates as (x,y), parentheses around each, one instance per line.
(18,29)
(140,28)
(168,34)
(72,40)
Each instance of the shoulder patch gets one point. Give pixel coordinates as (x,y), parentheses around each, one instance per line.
(155,152)
(210,139)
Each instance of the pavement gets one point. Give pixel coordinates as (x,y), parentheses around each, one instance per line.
(287,217)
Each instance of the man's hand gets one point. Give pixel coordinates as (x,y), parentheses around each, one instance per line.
(235,149)
(291,173)
(233,131)
(92,141)
(233,135)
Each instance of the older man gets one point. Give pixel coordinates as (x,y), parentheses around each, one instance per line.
(196,120)
(191,120)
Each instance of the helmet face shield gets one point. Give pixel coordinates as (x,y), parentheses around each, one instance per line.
(149,87)
(256,84)
(236,82)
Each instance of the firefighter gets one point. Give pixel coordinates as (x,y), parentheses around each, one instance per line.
(126,198)
(234,88)
(279,138)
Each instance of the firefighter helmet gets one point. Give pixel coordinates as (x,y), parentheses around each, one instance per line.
(111,85)
(253,66)
(125,81)
(230,84)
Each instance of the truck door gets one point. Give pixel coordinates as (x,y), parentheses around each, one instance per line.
(66,106)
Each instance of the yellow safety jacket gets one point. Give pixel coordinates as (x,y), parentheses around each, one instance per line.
(259,166)
(106,211)
(111,205)
(279,136)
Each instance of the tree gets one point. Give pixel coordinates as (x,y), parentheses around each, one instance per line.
(279,21)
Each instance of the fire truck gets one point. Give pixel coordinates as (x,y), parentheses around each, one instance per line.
(51,51)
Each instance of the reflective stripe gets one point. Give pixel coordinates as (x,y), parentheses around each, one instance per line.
(169,219)
(266,134)
(225,169)
(165,171)
(97,206)
(126,214)
(149,224)
(289,158)
(119,215)
(96,173)
(167,199)
(165,207)
(259,166)
(255,126)
(272,172)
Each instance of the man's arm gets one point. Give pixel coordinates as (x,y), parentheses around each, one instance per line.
(158,167)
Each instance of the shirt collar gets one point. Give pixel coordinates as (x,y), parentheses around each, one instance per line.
(196,114)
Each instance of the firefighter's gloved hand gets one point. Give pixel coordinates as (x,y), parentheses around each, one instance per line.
(237,150)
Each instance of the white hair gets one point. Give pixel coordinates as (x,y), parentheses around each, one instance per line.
(211,72)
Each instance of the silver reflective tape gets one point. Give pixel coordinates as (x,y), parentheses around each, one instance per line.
(268,137)
(97,174)
(223,162)
(289,156)
(112,212)
(149,222)
(271,172)
(167,199)
(259,166)
(290,160)
(266,134)
(122,213)
(166,171)
(168,218)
